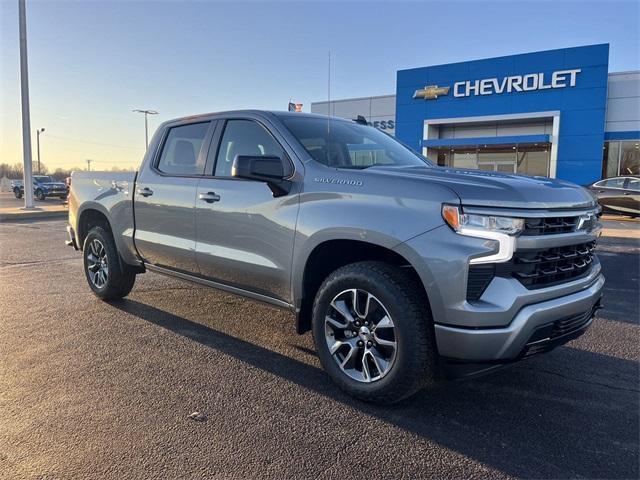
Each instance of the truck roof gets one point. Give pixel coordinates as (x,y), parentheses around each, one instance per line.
(278,113)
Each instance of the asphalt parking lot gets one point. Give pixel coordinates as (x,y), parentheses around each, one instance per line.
(97,390)
(8,200)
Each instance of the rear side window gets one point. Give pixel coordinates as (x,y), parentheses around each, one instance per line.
(612,183)
(244,137)
(180,153)
(634,184)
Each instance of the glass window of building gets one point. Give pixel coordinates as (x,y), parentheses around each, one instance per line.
(465,158)
(534,160)
(610,161)
(497,158)
(630,158)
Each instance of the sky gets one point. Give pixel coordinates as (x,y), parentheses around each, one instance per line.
(92,62)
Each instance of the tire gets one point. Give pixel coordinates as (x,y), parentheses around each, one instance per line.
(99,250)
(410,365)
(40,195)
(17,193)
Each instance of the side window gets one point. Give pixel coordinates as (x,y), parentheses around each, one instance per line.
(634,184)
(181,148)
(244,137)
(613,183)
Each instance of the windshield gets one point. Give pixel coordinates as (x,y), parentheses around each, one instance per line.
(344,144)
(42,178)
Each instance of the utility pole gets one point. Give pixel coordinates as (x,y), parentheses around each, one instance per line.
(38,132)
(146,125)
(26,118)
(89,165)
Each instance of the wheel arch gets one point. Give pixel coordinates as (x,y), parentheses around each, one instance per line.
(92,216)
(89,218)
(329,255)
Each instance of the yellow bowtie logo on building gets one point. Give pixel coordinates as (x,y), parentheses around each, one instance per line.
(431,92)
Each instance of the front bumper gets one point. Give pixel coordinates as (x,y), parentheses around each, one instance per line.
(526,330)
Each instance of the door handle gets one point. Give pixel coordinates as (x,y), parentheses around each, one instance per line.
(209,197)
(145,192)
(627,193)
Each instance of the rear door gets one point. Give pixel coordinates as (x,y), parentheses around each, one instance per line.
(611,193)
(632,196)
(245,233)
(165,197)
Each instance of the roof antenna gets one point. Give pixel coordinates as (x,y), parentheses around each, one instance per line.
(329,90)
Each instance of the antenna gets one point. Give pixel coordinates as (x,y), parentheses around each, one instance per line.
(328,91)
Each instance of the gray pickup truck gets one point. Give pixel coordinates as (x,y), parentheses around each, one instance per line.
(405,272)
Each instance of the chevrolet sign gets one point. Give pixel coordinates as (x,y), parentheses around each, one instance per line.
(514,83)
(431,92)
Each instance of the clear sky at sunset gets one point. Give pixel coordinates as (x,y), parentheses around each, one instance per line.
(91,63)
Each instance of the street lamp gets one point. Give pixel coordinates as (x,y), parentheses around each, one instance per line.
(38,132)
(146,125)
(26,117)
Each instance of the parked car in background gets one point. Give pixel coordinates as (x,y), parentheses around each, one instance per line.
(43,186)
(619,194)
(17,188)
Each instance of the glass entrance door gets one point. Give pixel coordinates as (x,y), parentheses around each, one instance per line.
(504,167)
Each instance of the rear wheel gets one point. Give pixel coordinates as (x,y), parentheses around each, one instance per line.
(373,332)
(102,266)
(17,193)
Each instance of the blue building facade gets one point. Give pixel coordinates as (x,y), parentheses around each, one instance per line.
(538,113)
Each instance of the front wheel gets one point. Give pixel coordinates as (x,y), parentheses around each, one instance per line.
(373,332)
(102,266)
(40,195)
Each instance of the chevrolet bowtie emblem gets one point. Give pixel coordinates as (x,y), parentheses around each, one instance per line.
(431,92)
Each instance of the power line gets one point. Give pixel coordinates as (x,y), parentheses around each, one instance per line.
(58,137)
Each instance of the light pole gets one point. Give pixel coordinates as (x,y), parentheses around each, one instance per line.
(146,125)
(26,118)
(38,132)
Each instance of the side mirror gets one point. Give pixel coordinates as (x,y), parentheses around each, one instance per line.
(269,169)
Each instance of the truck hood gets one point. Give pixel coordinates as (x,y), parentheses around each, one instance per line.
(492,189)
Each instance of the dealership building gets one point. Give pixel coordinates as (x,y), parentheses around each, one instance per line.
(558,113)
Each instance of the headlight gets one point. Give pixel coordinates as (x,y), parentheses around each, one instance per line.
(501,229)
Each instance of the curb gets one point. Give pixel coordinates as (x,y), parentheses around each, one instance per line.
(43,214)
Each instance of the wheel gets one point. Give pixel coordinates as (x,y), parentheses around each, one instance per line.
(102,266)
(17,193)
(373,332)
(40,195)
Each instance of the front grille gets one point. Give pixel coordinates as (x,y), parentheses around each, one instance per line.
(544,268)
(549,225)
(534,268)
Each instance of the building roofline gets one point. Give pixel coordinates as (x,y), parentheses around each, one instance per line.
(501,56)
(627,72)
(354,98)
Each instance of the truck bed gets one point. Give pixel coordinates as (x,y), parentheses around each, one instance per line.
(110,193)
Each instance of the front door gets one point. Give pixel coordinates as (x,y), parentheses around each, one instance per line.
(245,234)
(165,199)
